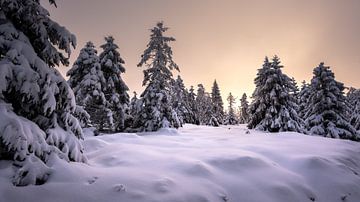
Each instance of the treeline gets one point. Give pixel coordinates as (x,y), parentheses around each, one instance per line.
(318,108)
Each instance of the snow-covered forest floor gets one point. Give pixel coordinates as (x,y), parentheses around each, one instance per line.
(201,164)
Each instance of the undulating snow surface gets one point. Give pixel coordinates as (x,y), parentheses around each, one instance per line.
(200,164)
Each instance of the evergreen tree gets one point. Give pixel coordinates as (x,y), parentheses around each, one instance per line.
(352,98)
(134,105)
(273,109)
(115,89)
(303,98)
(205,108)
(87,81)
(231,118)
(355,116)
(36,103)
(326,111)
(217,103)
(179,99)
(294,89)
(157,111)
(244,107)
(191,105)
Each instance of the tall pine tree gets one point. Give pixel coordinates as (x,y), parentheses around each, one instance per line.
(115,89)
(303,99)
(326,110)
(36,103)
(191,105)
(231,118)
(217,103)
(87,81)
(204,106)
(244,107)
(273,108)
(157,111)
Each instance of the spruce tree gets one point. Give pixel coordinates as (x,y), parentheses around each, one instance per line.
(87,81)
(352,99)
(294,89)
(191,104)
(36,103)
(326,110)
(217,103)
(179,100)
(303,98)
(115,89)
(205,107)
(273,108)
(157,111)
(244,107)
(231,118)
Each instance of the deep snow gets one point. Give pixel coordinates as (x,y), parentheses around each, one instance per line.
(200,164)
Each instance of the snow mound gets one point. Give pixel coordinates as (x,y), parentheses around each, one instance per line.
(201,164)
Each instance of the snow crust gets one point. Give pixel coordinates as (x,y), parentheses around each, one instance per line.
(200,164)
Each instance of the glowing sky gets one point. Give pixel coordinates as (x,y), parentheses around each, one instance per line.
(226,40)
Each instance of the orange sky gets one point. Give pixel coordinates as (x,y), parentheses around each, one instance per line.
(226,40)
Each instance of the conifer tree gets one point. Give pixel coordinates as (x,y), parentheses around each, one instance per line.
(157,111)
(294,89)
(273,108)
(87,81)
(244,107)
(303,98)
(191,103)
(352,99)
(179,100)
(134,105)
(217,103)
(326,110)
(231,118)
(36,103)
(205,107)
(115,89)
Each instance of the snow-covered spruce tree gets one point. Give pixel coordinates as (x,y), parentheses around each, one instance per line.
(134,108)
(87,81)
(294,89)
(273,109)
(303,98)
(217,103)
(353,102)
(36,103)
(115,89)
(352,99)
(326,110)
(244,107)
(191,105)
(157,111)
(180,101)
(204,107)
(231,118)
(355,116)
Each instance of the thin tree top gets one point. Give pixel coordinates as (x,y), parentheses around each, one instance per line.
(157,58)
(158,50)
(110,57)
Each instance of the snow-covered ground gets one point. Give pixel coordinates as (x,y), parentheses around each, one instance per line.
(201,164)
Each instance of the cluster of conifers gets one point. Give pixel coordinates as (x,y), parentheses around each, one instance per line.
(320,108)
(41,119)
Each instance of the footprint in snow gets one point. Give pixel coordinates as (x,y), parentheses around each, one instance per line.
(92,180)
(119,188)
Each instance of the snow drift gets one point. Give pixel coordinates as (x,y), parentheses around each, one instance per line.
(201,164)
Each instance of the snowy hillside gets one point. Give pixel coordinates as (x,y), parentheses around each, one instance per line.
(201,164)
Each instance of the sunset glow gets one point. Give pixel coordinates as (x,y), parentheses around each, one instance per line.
(225,40)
